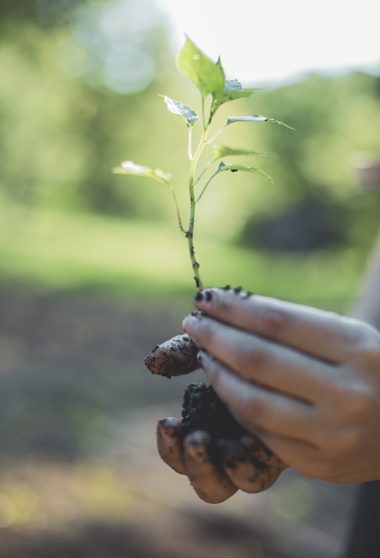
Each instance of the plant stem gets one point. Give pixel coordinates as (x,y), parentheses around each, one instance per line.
(203,114)
(190,231)
(206,185)
(189,144)
(203,172)
(177,209)
(217,134)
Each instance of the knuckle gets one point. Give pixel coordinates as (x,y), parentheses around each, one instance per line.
(252,358)
(258,360)
(274,321)
(360,402)
(256,411)
(349,440)
(222,305)
(351,399)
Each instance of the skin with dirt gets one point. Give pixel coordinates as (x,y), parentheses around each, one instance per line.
(247,462)
(250,465)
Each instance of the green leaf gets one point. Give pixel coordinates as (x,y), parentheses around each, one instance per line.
(224,167)
(232,85)
(133,169)
(200,69)
(256,118)
(220,65)
(225,151)
(187,113)
(232,91)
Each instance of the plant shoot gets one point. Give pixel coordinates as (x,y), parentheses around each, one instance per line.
(209,78)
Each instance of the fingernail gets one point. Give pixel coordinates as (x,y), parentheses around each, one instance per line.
(197,315)
(196,445)
(237,290)
(199,296)
(192,321)
(226,288)
(208,296)
(168,423)
(198,437)
(248,294)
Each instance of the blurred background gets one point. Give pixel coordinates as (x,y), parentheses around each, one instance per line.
(93,271)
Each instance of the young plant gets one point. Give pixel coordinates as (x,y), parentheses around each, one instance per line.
(242,460)
(215,91)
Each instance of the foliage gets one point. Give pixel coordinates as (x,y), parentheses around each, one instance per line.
(65,117)
(209,78)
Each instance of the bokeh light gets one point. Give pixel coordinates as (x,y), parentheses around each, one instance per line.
(119,40)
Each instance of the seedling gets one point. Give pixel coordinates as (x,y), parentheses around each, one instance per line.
(209,78)
(247,464)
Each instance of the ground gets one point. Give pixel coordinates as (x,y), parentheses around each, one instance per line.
(79,473)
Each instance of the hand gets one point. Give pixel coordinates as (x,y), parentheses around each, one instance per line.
(307,382)
(249,467)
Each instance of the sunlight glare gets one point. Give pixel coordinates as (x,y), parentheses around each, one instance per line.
(275,41)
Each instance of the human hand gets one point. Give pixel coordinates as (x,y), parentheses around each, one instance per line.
(307,382)
(216,468)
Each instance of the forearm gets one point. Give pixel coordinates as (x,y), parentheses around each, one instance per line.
(367,305)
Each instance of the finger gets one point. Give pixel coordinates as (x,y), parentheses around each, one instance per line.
(323,334)
(261,360)
(250,478)
(169,443)
(259,407)
(259,452)
(211,485)
(302,457)
(245,470)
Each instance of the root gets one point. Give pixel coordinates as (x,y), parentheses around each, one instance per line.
(174,357)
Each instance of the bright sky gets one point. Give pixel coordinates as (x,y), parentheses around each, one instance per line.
(276,40)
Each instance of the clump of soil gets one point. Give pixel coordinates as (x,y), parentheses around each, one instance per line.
(230,442)
(248,463)
(174,357)
(203,410)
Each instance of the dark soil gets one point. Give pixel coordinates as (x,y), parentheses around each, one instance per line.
(230,442)
(203,410)
(174,357)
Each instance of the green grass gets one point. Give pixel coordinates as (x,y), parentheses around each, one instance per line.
(53,250)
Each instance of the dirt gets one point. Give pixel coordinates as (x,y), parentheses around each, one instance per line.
(203,410)
(174,357)
(252,466)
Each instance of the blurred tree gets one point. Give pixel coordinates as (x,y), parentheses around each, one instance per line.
(315,186)
(80,95)
(37,11)
(74,63)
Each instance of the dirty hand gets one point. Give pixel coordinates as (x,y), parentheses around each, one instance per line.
(306,382)
(244,462)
